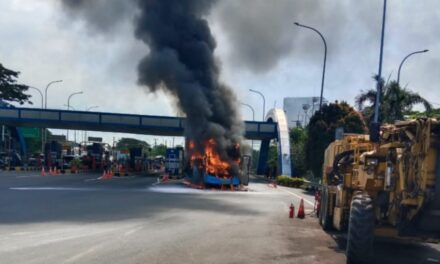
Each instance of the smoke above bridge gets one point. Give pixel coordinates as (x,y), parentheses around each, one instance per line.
(181,61)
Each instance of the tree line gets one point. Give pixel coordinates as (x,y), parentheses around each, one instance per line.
(308,144)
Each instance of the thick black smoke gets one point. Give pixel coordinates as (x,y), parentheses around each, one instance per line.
(181,61)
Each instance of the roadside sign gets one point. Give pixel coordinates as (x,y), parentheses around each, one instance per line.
(95,139)
(30,132)
(59,138)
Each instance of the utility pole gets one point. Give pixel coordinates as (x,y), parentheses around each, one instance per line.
(375,126)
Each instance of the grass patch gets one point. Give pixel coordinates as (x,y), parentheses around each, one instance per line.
(289,181)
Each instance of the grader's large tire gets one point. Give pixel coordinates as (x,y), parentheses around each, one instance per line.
(360,229)
(324,218)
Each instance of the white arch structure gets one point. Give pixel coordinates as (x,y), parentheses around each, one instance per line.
(284,162)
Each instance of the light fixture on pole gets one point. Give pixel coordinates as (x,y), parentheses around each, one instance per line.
(68,107)
(404,59)
(45,104)
(264,101)
(42,107)
(325,59)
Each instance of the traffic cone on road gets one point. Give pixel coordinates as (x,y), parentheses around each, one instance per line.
(104,175)
(292,211)
(43,172)
(110,175)
(50,171)
(301,213)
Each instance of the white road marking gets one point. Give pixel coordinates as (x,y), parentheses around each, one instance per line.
(76,257)
(297,196)
(52,189)
(92,179)
(188,190)
(132,231)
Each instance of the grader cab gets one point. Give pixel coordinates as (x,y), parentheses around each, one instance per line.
(385,189)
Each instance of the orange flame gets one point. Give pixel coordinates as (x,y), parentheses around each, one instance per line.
(212,162)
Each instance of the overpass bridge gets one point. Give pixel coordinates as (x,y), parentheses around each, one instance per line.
(141,124)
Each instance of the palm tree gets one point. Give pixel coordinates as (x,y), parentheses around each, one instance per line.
(395,102)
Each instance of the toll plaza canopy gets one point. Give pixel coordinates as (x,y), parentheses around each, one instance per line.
(113,122)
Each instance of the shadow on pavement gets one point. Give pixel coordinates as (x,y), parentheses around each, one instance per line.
(391,251)
(112,202)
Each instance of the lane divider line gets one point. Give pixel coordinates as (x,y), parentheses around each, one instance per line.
(298,196)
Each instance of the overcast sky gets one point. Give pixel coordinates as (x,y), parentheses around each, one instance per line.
(257,45)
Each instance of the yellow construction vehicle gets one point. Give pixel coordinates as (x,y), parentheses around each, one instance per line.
(389,188)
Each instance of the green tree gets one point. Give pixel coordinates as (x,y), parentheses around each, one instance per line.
(159,150)
(128,143)
(298,140)
(434,113)
(272,157)
(396,102)
(9,89)
(321,131)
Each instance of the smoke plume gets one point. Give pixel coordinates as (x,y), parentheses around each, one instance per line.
(181,61)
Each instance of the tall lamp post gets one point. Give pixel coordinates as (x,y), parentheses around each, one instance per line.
(252,109)
(68,107)
(375,125)
(253,119)
(264,101)
(45,101)
(325,59)
(404,59)
(88,109)
(42,107)
(45,91)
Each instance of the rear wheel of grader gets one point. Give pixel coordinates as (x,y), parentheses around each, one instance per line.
(360,229)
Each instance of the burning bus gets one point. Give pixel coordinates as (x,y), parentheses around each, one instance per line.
(207,168)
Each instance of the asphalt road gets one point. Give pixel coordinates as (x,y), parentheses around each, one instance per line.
(79,219)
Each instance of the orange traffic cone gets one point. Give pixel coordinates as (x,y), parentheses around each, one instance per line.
(301,213)
(50,171)
(43,172)
(104,175)
(110,175)
(292,211)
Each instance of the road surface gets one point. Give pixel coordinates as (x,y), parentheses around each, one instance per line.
(80,219)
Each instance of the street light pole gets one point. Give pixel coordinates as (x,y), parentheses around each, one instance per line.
(325,59)
(68,107)
(42,106)
(375,126)
(45,102)
(252,109)
(88,109)
(45,91)
(404,59)
(264,101)
(253,119)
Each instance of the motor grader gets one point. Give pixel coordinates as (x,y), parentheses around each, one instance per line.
(389,188)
